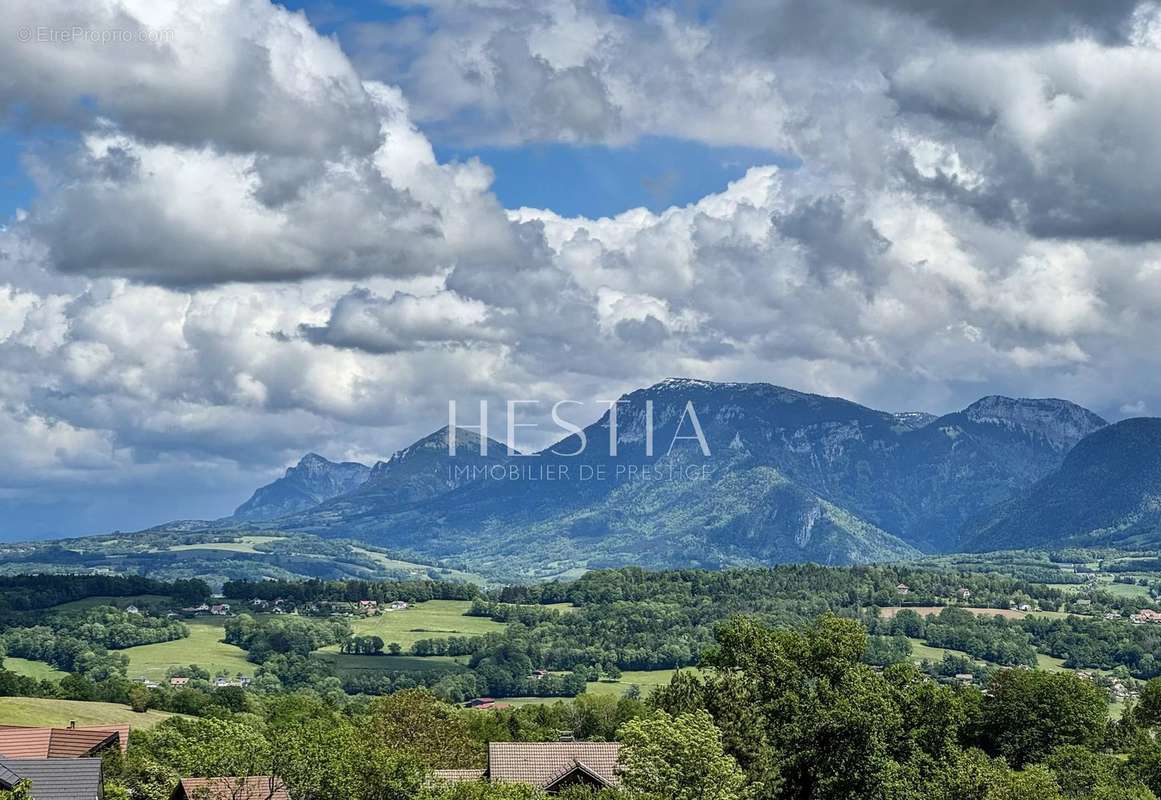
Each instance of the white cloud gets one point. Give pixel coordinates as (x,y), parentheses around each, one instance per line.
(256,252)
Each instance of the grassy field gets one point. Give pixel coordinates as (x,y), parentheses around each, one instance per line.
(40,711)
(120,602)
(923,611)
(565,607)
(387,562)
(244,544)
(925,652)
(435,619)
(364,664)
(1128,590)
(645,680)
(1050,663)
(33,669)
(202,647)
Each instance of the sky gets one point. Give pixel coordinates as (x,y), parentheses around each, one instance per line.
(234,232)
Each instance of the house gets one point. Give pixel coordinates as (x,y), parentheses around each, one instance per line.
(258,602)
(23,742)
(550,766)
(1111,615)
(240,681)
(178,681)
(398,605)
(220,610)
(964,593)
(132,610)
(254,787)
(53,778)
(537,674)
(964,678)
(903,588)
(486,704)
(368,606)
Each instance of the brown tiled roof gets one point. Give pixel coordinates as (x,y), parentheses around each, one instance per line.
(255,787)
(21,742)
(459,775)
(544,764)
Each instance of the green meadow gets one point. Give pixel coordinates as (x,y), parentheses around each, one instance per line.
(37,670)
(41,711)
(435,619)
(203,646)
(120,602)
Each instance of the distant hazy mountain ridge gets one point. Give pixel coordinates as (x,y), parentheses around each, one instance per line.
(791,476)
(1107,492)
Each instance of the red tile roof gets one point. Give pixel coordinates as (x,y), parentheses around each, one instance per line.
(544,764)
(255,787)
(17,741)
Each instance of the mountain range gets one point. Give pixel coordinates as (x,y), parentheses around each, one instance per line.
(789,476)
(1107,493)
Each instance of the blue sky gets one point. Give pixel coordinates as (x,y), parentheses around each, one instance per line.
(16,188)
(596,180)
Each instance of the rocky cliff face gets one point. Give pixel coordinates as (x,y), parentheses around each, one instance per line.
(1061,423)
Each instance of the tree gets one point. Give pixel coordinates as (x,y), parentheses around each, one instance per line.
(1082,774)
(415,721)
(21,791)
(1029,713)
(678,758)
(1148,710)
(139,699)
(205,747)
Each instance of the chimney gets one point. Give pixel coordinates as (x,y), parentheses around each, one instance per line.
(72,724)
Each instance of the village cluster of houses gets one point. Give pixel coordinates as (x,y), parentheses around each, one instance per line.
(365,608)
(1119,691)
(215,610)
(963,593)
(66,764)
(1145,616)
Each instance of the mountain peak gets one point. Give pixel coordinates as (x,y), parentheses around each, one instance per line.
(313,459)
(1061,422)
(311,481)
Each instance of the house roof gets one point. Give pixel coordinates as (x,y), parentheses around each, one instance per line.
(545,764)
(254,787)
(18,741)
(54,778)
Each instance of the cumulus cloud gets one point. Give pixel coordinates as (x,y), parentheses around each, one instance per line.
(246,248)
(244,75)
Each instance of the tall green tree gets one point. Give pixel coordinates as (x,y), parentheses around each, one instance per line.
(1029,713)
(678,758)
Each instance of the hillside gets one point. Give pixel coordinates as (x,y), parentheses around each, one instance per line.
(1107,492)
